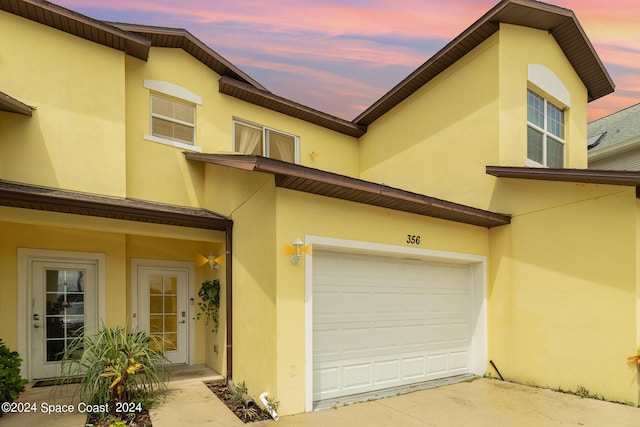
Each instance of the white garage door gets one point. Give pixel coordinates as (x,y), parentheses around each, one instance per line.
(381,322)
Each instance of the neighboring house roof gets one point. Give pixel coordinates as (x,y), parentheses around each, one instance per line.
(315,181)
(71,202)
(264,99)
(614,133)
(12,105)
(588,176)
(560,22)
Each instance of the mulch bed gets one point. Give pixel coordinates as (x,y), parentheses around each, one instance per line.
(246,414)
(137,419)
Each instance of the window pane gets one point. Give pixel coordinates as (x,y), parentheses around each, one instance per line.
(555,153)
(161,106)
(534,145)
(555,120)
(535,109)
(248,140)
(183,112)
(281,147)
(183,133)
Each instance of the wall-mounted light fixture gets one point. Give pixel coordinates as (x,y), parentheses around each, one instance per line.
(213,262)
(296,254)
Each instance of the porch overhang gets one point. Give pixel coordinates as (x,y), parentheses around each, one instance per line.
(54,200)
(586,176)
(323,183)
(12,105)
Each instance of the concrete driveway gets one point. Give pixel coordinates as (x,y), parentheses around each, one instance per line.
(481,402)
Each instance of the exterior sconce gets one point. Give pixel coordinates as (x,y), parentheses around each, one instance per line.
(213,262)
(296,253)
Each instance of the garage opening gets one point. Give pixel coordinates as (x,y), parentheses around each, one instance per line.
(381,322)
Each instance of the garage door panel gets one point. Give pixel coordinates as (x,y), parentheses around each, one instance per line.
(391,322)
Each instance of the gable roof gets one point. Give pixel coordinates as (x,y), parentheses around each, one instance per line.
(614,129)
(560,22)
(329,184)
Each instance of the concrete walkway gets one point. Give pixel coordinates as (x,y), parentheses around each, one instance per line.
(188,402)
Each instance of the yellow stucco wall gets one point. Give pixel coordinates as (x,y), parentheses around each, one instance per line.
(563,287)
(75,138)
(439,140)
(519,47)
(300,214)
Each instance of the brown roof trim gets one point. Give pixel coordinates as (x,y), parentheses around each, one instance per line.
(560,22)
(587,176)
(315,181)
(183,39)
(12,105)
(71,202)
(79,25)
(242,91)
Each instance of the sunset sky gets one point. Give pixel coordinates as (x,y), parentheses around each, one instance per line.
(341,56)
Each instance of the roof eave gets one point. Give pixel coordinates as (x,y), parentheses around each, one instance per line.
(329,184)
(12,105)
(518,12)
(240,90)
(79,25)
(70,202)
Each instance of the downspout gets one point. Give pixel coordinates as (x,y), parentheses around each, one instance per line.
(229,299)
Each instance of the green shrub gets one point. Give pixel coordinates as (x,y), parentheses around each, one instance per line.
(11,383)
(116,365)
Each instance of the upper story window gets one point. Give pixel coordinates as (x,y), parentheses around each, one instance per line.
(173,120)
(545,132)
(249,138)
(172,115)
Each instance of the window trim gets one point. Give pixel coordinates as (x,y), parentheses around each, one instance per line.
(173,93)
(546,134)
(265,130)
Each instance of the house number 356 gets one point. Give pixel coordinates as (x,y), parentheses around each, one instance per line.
(413,239)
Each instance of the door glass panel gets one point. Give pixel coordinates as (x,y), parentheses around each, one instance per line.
(163,314)
(64,295)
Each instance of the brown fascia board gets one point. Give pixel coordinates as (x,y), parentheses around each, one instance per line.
(55,200)
(586,176)
(560,22)
(12,105)
(245,92)
(79,25)
(329,184)
(183,39)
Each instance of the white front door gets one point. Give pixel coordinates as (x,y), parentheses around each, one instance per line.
(163,309)
(63,305)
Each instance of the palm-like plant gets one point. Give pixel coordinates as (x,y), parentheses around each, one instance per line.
(115,365)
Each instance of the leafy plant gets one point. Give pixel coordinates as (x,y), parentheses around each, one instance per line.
(272,403)
(209,304)
(635,359)
(249,413)
(115,365)
(11,383)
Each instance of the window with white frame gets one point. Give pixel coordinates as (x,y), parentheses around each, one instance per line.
(249,138)
(545,132)
(172,115)
(172,119)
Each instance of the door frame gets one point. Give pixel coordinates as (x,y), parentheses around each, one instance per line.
(477,269)
(185,266)
(26,258)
